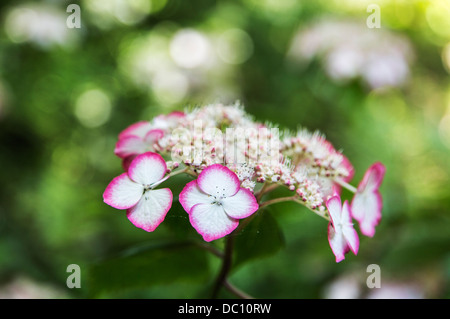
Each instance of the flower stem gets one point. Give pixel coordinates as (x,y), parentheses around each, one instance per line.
(226,266)
(265,189)
(211,249)
(236,291)
(346,185)
(322,214)
(276,200)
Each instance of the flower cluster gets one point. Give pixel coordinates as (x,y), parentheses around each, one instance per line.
(235,162)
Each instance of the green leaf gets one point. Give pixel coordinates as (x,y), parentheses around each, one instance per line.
(177,221)
(260,238)
(143,267)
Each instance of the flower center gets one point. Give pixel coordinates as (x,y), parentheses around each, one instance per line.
(217,201)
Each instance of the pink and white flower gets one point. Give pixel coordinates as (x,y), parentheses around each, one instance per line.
(136,141)
(134,191)
(367,202)
(341,234)
(215,202)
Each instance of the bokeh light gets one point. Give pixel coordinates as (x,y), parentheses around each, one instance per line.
(93,108)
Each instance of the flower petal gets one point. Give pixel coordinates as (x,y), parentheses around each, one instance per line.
(350,234)
(192,195)
(126,161)
(129,145)
(366,209)
(349,167)
(147,168)
(176,115)
(151,209)
(218,180)
(334,208)
(241,205)
(372,178)
(337,242)
(367,203)
(139,129)
(211,221)
(153,136)
(122,192)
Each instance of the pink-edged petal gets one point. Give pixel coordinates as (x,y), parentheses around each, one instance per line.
(127,161)
(334,208)
(241,205)
(192,195)
(211,221)
(366,209)
(122,192)
(349,167)
(372,178)
(151,209)
(147,168)
(346,215)
(350,234)
(337,242)
(129,145)
(153,136)
(367,202)
(219,181)
(139,129)
(176,115)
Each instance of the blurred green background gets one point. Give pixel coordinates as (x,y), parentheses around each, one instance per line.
(379,94)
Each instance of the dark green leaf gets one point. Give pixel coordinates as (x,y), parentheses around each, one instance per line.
(146,266)
(261,237)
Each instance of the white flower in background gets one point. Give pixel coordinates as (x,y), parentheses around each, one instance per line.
(41,24)
(351,50)
(348,286)
(174,64)
(108,13)
(397,290)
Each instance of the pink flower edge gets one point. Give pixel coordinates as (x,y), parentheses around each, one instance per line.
(138,129)
(122,192)
(135,217)
(367,203)
(224,224)
(191,195)
(378,170)
(240,205)
(147,168)
(346,239)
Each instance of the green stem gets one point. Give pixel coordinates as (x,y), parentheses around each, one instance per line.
(276,200)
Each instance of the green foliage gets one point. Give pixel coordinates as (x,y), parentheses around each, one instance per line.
(146,266)
(262,237)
